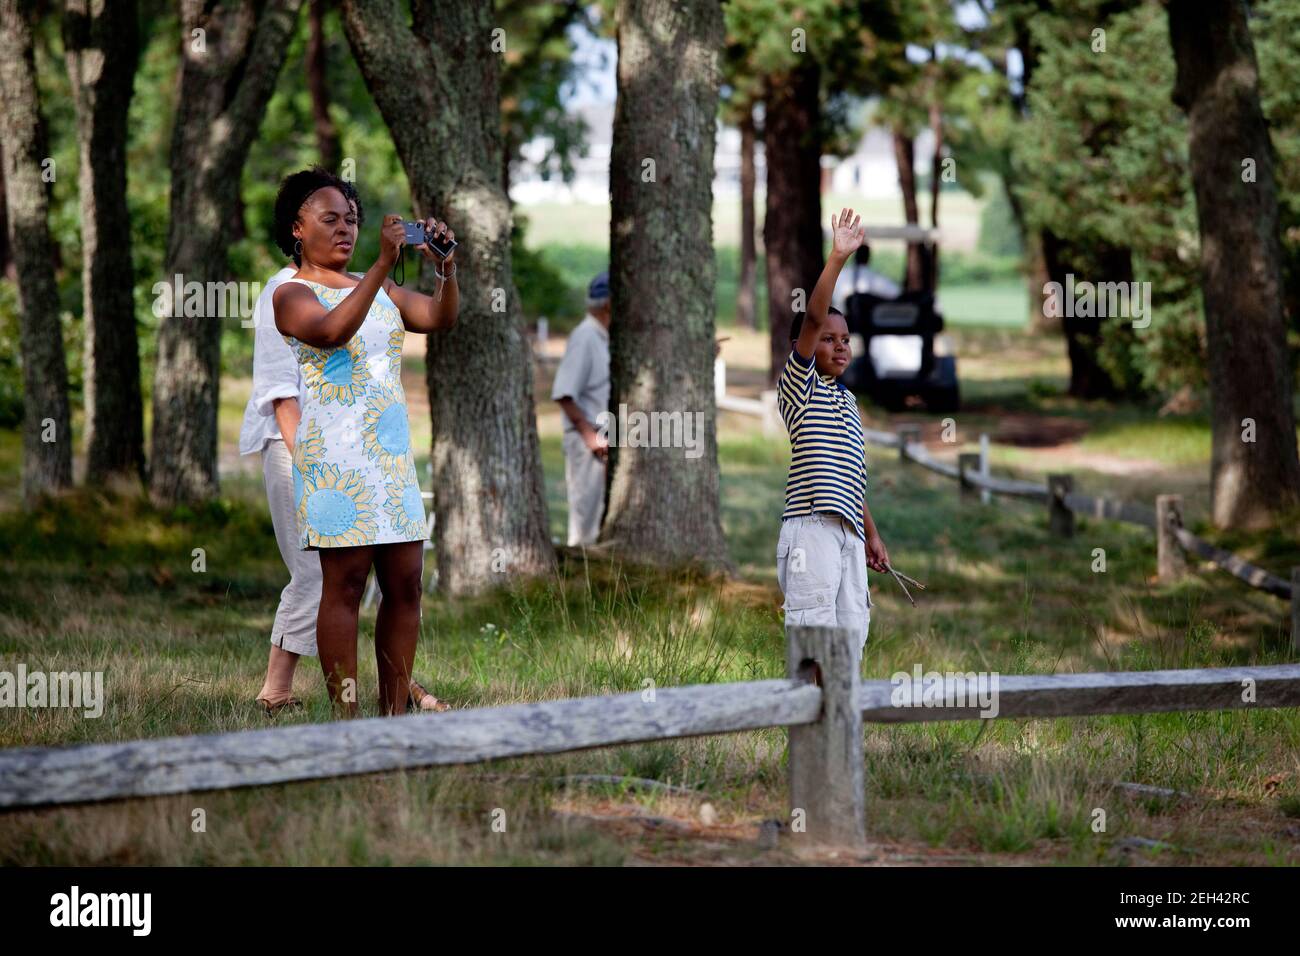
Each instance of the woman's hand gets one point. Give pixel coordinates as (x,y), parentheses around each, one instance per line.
(438,230)
(877,556)
(391,240)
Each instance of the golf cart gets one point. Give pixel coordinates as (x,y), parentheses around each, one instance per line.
(898,351)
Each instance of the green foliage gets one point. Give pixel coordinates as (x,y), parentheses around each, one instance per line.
(1104,162)
(858,49)
(11,373)
(979,128)
(999,234)
(1275,27)
(544,289)
(538,65)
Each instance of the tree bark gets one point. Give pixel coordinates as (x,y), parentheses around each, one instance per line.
(792,228)
(47,431)
(663,501)
(101,47)
(1039,323)
(489,505)
(748,245)
(6,254)
(904,158)
(225,84)
(1022,38)
(1217,86)
(327,134)
(936,172)
(1083,334)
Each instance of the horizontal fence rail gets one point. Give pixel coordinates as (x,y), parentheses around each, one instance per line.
(1077,695)
(1112,509)
(91,772)
(971,472)
(1255,576)
(823,702)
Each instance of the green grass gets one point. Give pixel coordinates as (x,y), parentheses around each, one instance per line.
(103,581)
(1182,440)
(1003,303)
(98,582)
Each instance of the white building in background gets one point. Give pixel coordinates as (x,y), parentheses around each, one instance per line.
(869,171)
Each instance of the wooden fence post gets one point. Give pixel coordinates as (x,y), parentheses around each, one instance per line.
(1171,562)
(827,787)
(906,434)
(1295,609)
(967,461)
(1060,519)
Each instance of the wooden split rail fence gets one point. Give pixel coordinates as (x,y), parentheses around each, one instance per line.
(1173,541)
(823,701)
(971,471)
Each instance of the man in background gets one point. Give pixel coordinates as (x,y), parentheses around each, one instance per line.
(582,389)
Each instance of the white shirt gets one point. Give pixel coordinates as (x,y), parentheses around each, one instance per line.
(275,373)
(583,374)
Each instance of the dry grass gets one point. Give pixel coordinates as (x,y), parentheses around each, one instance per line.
(103,582)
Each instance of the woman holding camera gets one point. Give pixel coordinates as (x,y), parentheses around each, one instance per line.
(358,498)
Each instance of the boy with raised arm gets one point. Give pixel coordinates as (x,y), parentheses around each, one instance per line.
(828,538)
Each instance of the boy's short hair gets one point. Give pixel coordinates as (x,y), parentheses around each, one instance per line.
(797,324)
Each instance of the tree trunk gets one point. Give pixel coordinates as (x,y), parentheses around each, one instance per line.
(748,245)
(792,227)
(101,47)
(1035,265)
(1083,334)
(489,505)
(1034,242)
(47,431)
(1039,323)
(936,162)
(904,158)
(1255,479)
(327,134)
(663,501)
(6,254)
(227,74)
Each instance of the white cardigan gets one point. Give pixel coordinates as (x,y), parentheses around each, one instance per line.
(275,372)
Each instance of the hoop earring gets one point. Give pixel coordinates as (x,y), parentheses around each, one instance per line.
(297,248)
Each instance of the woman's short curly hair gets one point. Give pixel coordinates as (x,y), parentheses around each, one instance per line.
(296,189)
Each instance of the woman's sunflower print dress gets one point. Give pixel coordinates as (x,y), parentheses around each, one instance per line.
(353,472)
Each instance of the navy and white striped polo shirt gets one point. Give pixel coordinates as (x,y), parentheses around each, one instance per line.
(828,463)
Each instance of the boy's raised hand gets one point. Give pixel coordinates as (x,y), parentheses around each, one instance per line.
(847,235)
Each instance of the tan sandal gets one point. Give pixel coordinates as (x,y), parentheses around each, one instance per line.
(420,699)
(273,707)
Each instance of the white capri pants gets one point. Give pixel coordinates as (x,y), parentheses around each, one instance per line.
(821,566)
(295,619)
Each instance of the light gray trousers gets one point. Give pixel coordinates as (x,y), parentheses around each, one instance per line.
(295,619)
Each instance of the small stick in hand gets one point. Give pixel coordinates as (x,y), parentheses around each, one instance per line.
(899,578)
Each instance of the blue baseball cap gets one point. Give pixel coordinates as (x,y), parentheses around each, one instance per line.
(599,288)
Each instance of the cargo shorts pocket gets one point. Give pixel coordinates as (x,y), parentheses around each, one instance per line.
(782,555)
(810,606)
